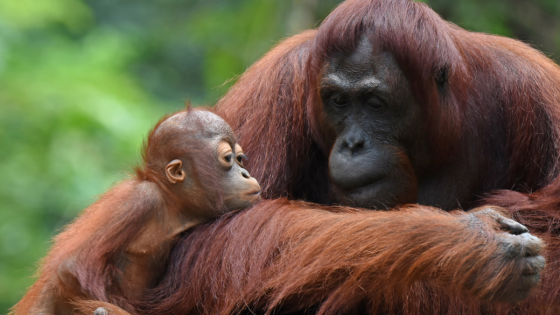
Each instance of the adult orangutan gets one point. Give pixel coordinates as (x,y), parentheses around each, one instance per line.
(384,104)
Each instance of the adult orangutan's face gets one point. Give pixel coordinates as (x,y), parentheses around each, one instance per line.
(369,104)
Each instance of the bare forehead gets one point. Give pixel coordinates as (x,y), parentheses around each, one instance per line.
(368,66)
(195,124)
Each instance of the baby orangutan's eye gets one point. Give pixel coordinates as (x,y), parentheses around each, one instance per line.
(225,154)
(240,159)
(228,158)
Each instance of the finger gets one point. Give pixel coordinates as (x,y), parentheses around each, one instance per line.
(100,311)
(534,265)
(511,226)
(533,245)
(523,245)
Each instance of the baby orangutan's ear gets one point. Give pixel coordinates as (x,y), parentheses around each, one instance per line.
(174,171)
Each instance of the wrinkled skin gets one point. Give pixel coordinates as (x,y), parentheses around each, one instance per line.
(518,245)
(378,150)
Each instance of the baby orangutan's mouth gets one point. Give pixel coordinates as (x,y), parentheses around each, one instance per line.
(254,195)
(254,192)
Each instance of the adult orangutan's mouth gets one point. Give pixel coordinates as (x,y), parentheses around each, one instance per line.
(349,187)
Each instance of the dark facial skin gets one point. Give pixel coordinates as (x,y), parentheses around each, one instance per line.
(238,189)
(369,105)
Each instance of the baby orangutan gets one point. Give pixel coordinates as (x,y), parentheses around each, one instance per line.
(192,172)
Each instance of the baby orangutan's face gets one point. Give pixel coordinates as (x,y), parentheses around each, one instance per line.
(240,189)
(209,133)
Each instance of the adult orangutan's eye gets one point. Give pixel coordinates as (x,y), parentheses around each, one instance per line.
(339,100)
(375,103)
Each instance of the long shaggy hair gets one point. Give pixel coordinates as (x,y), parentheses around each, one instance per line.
(285,256)
(490,105)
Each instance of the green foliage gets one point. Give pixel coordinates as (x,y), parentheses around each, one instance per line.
(82,81)
(72,120)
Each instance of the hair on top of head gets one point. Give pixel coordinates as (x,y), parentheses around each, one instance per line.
(177,134)
(182,135)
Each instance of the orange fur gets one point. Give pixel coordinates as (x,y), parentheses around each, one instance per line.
(494,137)
(282,256)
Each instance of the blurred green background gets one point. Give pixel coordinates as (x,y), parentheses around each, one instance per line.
(82,81)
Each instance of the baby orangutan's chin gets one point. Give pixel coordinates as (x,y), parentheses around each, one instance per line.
(242,200)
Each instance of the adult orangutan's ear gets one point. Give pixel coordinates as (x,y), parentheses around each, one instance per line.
(175,172)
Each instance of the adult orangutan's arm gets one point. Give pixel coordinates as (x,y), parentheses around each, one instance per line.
(295,255)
